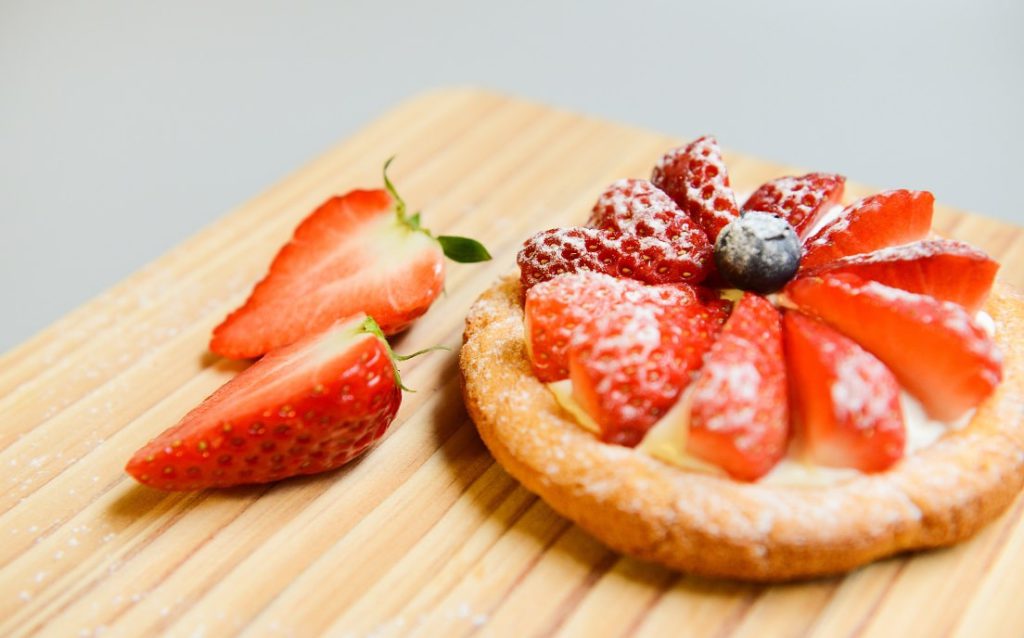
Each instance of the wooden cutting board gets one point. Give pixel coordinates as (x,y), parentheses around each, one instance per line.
(425,535)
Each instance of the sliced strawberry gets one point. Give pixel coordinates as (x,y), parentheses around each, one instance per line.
(798,200)
(629,364)
(845,402)
(565,250)
(695,177)
(559,251)
(941,268)
(306,408)
(555,308)
(878,221)
(738,415)
(637,208)
(360,252)
(935,348)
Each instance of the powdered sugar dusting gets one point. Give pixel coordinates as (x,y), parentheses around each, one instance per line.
(740,381)
(695,177)
(639,233)
(854,391)
(637,208)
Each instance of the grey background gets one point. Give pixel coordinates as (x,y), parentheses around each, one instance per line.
(126,126)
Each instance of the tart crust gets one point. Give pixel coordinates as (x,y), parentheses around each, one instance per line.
(716,526)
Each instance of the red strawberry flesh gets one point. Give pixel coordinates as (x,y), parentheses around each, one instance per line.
(738,411)
(555,308)
(306,408)
(935,348)
(878,221)
(941,268)
(798,200)
(629,364)
(350,255)
(845,402)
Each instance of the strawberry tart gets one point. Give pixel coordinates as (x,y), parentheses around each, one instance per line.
(783,389)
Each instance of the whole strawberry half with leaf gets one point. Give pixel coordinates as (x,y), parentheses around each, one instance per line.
(796,325)
(359,252)
(302,409)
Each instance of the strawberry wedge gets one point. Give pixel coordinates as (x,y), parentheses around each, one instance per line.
(845,402)
(695,177)
(306,408)
(361,252)
(556,308)
(636,231)
(935,348)
(629,364)
(739,415)
(941,268)
(878,221)
(798,200)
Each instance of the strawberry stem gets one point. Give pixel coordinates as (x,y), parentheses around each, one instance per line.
(413,222)
(459,249)
(369,326)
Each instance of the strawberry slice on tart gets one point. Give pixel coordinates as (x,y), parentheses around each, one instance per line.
(635,231)
(554,309)
(944,269)
(696,178)
(936,349)
(739,417)
(306,408)
(672,245)
(359,252)
(798,200)
(877,221)
(845,402)
(629,364)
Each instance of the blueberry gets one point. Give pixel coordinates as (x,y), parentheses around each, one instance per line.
(758,251)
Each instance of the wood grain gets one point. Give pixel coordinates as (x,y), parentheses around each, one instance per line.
(425,535)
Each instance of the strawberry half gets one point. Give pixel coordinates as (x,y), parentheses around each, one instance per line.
(306,408)
(629,364)
(361,252)
(878,221)
(940,268)
(739,415)
(695,177)
(845,402)
(555,308)
(798,200)
(935,348)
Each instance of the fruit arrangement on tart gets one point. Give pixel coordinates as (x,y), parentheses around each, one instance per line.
(783,388)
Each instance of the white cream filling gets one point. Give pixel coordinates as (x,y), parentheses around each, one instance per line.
(921,431)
